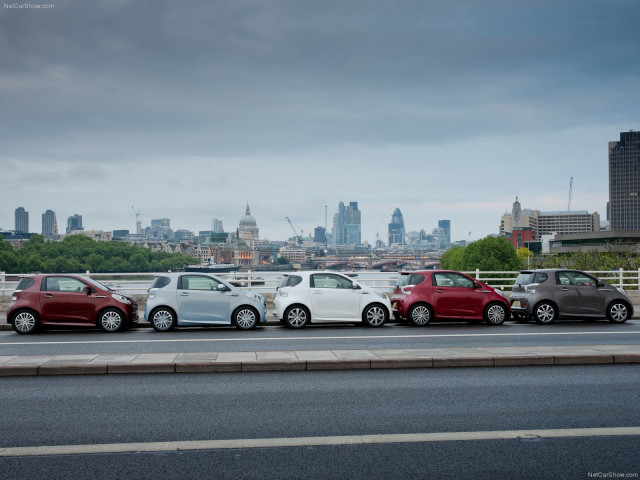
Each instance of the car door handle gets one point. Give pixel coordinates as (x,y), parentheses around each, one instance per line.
(317,293)
(185,294)
(48,296)
(564,289)
(440,290)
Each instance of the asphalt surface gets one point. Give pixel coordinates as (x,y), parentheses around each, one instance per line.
(526,422)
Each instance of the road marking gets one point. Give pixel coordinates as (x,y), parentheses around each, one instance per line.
(354,337)
(313,441)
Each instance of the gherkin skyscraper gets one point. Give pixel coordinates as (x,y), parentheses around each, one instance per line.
(396,229)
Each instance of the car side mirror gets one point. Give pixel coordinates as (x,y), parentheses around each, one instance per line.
(222,287)
(88,290)
(476,285)
(355,286)
(600,284)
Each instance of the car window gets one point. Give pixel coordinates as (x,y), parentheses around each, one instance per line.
(62,284)
(525,278)
(452,280)
(197,282)
(409,279)
(293,280)
(576,278)
(328,280)
(541,277)
(160,282)
(25,283)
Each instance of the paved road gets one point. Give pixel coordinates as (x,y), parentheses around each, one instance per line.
(537,422)
(276,338)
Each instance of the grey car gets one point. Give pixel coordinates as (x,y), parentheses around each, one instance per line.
(194,299)
(546,295)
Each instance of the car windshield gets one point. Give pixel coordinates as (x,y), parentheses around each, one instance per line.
(97,284)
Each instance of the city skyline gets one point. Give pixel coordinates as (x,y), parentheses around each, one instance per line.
(444,110)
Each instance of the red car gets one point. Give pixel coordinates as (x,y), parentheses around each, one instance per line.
(68,300)
(423,296)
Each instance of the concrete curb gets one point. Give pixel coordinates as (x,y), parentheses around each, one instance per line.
(12,366)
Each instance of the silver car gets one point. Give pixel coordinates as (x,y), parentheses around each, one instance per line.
(546,295)
(194,299)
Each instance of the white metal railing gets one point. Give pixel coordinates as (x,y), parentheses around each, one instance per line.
(267,282)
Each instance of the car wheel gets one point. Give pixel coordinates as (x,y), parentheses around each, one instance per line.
(296,317)
(25,322)
(110,320)
(245,318)
(420,315)
(618,312)
(495,314)
(162,319)
(375,316)
(544,313)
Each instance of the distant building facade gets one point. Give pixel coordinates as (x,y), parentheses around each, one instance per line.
(397,233)
(347,225)
(624,182)
(444,230)
(49,223)
(21,220)
(74,223)
(546,223)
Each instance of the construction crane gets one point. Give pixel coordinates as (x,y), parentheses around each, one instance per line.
(298,237)
(138,223)
(570,193)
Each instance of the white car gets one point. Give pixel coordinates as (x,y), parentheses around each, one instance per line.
(305,297)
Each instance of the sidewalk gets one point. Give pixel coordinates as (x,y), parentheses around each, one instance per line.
(265,361)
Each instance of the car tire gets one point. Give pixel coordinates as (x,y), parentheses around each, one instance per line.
(25,321)
(420,315)
(545,313)
(495,314)
(296,317)
(618,312)
(375,315)
(245,318)
(111,320)
(162,319)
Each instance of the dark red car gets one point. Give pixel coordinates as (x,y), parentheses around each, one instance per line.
(423,296)
(68,300)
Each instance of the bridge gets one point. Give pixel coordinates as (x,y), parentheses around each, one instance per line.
(388,264)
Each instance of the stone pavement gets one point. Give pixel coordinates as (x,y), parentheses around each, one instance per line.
(301,360)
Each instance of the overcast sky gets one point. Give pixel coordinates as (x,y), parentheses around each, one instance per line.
(189,110)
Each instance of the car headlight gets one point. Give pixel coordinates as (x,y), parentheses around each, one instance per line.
(253,296)
(121,298)
(500,292)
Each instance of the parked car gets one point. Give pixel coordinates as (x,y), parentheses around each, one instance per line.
(546,295)
(423,296)
(68,300)
(316,297)
(194,299)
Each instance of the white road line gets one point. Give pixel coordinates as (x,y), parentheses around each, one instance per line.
(312,441)
(355,337)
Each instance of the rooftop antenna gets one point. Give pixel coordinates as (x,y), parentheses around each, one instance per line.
(570,194)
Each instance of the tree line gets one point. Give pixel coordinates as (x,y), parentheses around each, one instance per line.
(497,254)
(78,253)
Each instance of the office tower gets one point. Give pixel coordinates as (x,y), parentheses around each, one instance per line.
(444,227)
(347,225)
(216,226)
(74,223)
(396,229)
(320,235)
(22,220)
(49,223)
(624,182)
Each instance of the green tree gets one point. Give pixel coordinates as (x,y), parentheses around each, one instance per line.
(491,254)
(452,259)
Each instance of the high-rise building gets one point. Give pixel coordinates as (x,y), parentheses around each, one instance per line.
(74,223)
(216,225)
(347,225)
(397,232)
(444,232)
(49,223)
(161,228)
(22,220)
(320,235)
(624,182)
